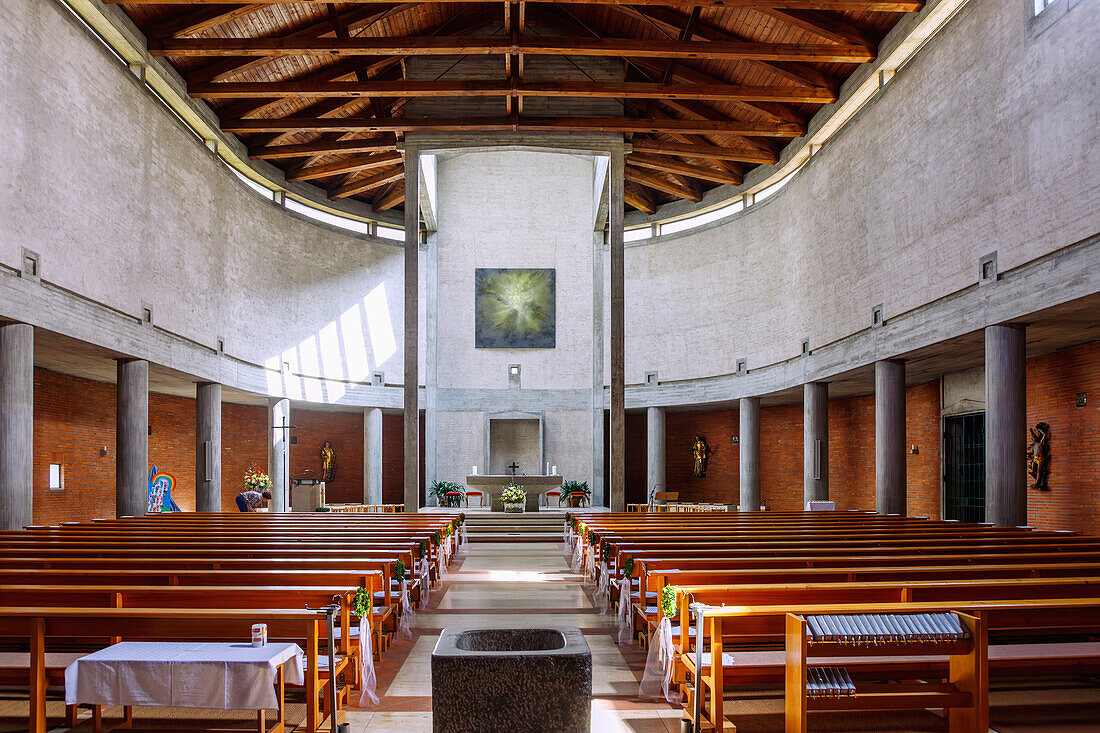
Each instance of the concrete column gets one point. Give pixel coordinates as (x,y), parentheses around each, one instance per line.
(655,451)
(1005,426)
(618,340)
(748,415)
(16,425)
(599,449)
(372,455)
(132,439)
(208,447)
(890,437)
(815,444)
(412,329)
(278,454)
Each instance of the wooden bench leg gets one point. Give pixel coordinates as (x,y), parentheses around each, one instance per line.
(72,715)
(36,721)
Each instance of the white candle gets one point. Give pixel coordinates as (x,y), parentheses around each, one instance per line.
(474,472)
(548,467)
(554,471)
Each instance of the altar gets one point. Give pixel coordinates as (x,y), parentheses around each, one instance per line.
(494,484)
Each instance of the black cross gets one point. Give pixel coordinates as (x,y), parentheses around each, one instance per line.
(514,467)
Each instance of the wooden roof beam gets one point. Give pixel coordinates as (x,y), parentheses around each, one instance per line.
(639,199)
(443,124)
(857,6)
(360,185)
(657,183)
(489,45)
(701,173)
(197,21)
(712,152)
(275,152)
(386,200)
(822,25)
(487,88)
(347,165)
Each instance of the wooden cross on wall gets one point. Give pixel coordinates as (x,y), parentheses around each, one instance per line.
(514,467)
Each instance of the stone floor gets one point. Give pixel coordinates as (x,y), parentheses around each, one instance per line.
(512,584)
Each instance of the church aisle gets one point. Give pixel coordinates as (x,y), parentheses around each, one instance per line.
(495,584)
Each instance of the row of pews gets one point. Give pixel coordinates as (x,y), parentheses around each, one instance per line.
(81,586)
(847,610)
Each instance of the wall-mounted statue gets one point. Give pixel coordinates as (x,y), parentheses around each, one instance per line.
(328,462)
(1038,456)
(700,450)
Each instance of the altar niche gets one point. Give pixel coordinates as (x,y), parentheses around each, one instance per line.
(515,438)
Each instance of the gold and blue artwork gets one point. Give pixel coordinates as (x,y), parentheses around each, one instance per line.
(514,308)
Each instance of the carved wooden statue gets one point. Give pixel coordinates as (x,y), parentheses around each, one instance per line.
(1038,456)
(328,462)
(700,450)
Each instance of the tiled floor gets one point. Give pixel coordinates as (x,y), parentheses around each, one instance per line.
(505,584)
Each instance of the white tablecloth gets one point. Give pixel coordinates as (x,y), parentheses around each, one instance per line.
(184,674)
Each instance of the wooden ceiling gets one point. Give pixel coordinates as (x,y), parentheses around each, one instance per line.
(704,89)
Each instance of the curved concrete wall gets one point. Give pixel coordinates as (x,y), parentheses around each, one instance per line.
(126,208)
(986,141)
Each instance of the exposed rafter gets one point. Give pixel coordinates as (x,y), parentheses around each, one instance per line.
(547,46)
(686,169)
(650,180)
(320,147)
(449,124)
(488,88)
(372,181)
(880,6)
(714,152)
(347,165)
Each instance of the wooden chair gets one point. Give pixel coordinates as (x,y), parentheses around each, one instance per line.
(556,494)
(456,497)
(480,497)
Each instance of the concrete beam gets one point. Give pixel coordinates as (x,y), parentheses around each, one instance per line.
(412,329)
(16,425)
(132,438)
(618,340)
(208,447)
(890,496)
(1005,426)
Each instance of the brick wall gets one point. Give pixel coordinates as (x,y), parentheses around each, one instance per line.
(75,418)
(851,453)
(1053,382)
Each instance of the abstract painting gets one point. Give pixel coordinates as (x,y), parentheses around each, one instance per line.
(514,308)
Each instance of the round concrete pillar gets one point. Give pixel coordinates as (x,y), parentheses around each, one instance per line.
(890,496)
(748,416)
(815,443)
(655,451)
(208,447)
(16,425)
(278,455)
(132,438)
(372,455)
(1005,426)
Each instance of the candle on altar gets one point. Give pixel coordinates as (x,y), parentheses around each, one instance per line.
(474,472)
(553,470)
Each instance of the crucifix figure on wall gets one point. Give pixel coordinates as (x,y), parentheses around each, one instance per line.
(514,467)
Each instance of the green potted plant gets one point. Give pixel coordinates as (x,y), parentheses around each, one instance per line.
(570,488)
(440,489)
(514,498)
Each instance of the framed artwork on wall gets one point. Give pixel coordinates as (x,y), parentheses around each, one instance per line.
(514,308)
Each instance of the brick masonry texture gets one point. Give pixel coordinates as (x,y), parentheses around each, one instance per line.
(75,418)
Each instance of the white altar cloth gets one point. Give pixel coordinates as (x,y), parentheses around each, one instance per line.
(217,676)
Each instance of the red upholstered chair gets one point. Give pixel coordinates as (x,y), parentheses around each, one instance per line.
(480,497)
(455,496)
(579,496)
(555,494)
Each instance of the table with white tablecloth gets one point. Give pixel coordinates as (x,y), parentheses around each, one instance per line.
(221,676)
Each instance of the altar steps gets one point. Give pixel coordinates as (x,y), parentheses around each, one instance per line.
(545,526)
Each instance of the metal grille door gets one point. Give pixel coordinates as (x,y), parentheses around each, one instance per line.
(964,467)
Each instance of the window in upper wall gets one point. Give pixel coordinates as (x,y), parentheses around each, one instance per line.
(57,477)
(1041,5)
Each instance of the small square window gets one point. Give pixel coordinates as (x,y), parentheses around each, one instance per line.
(147,315)
(378,379)
(987,269)
(876,316)
(31,265)
(805,347)
(742,366)
(651,379)
(57,477)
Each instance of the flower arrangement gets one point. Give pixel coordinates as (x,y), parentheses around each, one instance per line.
(323,509)
(423,548)
(363,602)
(668,601)
(513,494)
(256,480)
(606,551)
(628,568)
(436,539)
(399,570)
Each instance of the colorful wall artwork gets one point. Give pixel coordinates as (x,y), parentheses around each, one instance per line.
(514,308)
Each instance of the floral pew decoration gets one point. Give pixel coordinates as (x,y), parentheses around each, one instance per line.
(658,665)
(577,564)
(425,575)
(603,586)
(404,630)
(363,607)
(626,625)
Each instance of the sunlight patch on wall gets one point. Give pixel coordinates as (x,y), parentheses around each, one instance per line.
(382,340)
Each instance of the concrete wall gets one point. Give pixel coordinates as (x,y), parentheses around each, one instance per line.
(513,208)
(986,141)
(126,208)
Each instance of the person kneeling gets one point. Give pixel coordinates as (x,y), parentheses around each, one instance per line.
(250,501)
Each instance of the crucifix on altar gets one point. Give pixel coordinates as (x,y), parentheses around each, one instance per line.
(514,467)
